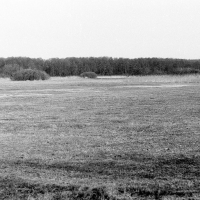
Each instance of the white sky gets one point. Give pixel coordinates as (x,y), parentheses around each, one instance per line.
(84,28)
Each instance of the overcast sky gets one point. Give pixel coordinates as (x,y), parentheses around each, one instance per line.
(114,28)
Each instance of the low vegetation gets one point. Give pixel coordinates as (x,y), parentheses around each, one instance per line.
(88,75)
(29,74)
(123,138)
(152,178)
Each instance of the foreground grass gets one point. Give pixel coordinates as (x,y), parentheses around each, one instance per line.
(100,139)
(175,176)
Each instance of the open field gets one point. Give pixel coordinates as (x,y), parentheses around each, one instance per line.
(107,138)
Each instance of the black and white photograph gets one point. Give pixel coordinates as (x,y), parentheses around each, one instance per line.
(100,100)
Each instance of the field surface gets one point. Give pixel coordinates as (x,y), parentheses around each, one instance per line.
(107,138)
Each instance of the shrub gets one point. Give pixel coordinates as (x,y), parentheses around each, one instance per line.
(10,69)
(29,74)
(88,75)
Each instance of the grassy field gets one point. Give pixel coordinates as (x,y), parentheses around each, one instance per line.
(107,138)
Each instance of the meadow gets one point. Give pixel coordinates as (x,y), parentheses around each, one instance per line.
(117,137)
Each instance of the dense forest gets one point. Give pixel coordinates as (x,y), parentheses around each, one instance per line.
(101,65)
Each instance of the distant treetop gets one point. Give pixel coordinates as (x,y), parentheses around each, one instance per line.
(102,65)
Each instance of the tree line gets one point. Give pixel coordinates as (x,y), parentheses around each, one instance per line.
(102,65)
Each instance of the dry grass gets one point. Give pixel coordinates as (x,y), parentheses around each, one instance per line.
(169,79)
(158,78)
(103,132)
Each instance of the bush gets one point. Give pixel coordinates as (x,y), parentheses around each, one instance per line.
(88,75)
(29,74)
(10,69)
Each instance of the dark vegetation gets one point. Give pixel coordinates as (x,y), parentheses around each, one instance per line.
(101,66)
(88,75)
(10,69)
(20,189)
(155,170)
(29,74)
